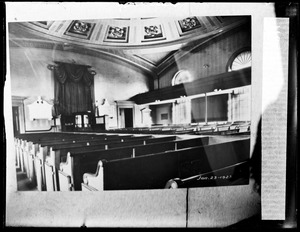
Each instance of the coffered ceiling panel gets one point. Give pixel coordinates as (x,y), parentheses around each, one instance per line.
(148,43)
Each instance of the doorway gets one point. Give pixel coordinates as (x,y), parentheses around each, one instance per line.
(126,117)
(16,120)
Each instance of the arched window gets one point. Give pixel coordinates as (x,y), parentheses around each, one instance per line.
(239,60)
(181,76)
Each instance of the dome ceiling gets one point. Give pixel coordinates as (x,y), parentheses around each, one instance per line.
(149,43)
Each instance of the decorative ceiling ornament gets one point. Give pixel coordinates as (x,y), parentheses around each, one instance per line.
(116,34)
(187,25)
(153,33)
(80,29)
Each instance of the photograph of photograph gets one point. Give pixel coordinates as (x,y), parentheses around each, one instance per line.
(192,111)
(136,117)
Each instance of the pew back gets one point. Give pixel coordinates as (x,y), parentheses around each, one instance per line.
(86,161)
(153,171)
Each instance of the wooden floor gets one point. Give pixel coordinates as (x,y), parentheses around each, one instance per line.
(24,183)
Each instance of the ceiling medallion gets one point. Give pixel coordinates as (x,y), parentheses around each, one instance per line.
(153,33)
(80,29)
(188,24)
(116,34)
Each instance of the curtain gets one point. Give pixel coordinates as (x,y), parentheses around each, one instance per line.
(74,86)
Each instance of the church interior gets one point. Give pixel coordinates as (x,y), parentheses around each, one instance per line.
(131,103)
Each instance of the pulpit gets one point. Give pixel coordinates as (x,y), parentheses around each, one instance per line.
(79,121)
(101,122)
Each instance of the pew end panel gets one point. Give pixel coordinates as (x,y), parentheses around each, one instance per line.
(39,174)
(50,177)
(26,157)
(17,154)
(22,156)
(39,163)
(31,154)
(65,182)
(51,167)
(54,158)
(65,173)
(94,181)
(86,162)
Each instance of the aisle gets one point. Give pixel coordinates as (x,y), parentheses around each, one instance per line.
(23,182)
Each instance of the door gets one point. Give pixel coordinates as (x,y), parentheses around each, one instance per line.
(128,112)
(126,117)
(16,120)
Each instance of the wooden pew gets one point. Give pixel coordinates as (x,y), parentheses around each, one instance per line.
(23,140)
(50,157)
(17,157)
(81,139)
(56,155)
(18,147)
(159,129)
(79,163)
(154,171)
(58,137)
(27,151)
(35,151)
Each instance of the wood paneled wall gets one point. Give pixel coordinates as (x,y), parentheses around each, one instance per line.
(215,54)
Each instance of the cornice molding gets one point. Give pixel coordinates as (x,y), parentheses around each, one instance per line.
(27,43)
